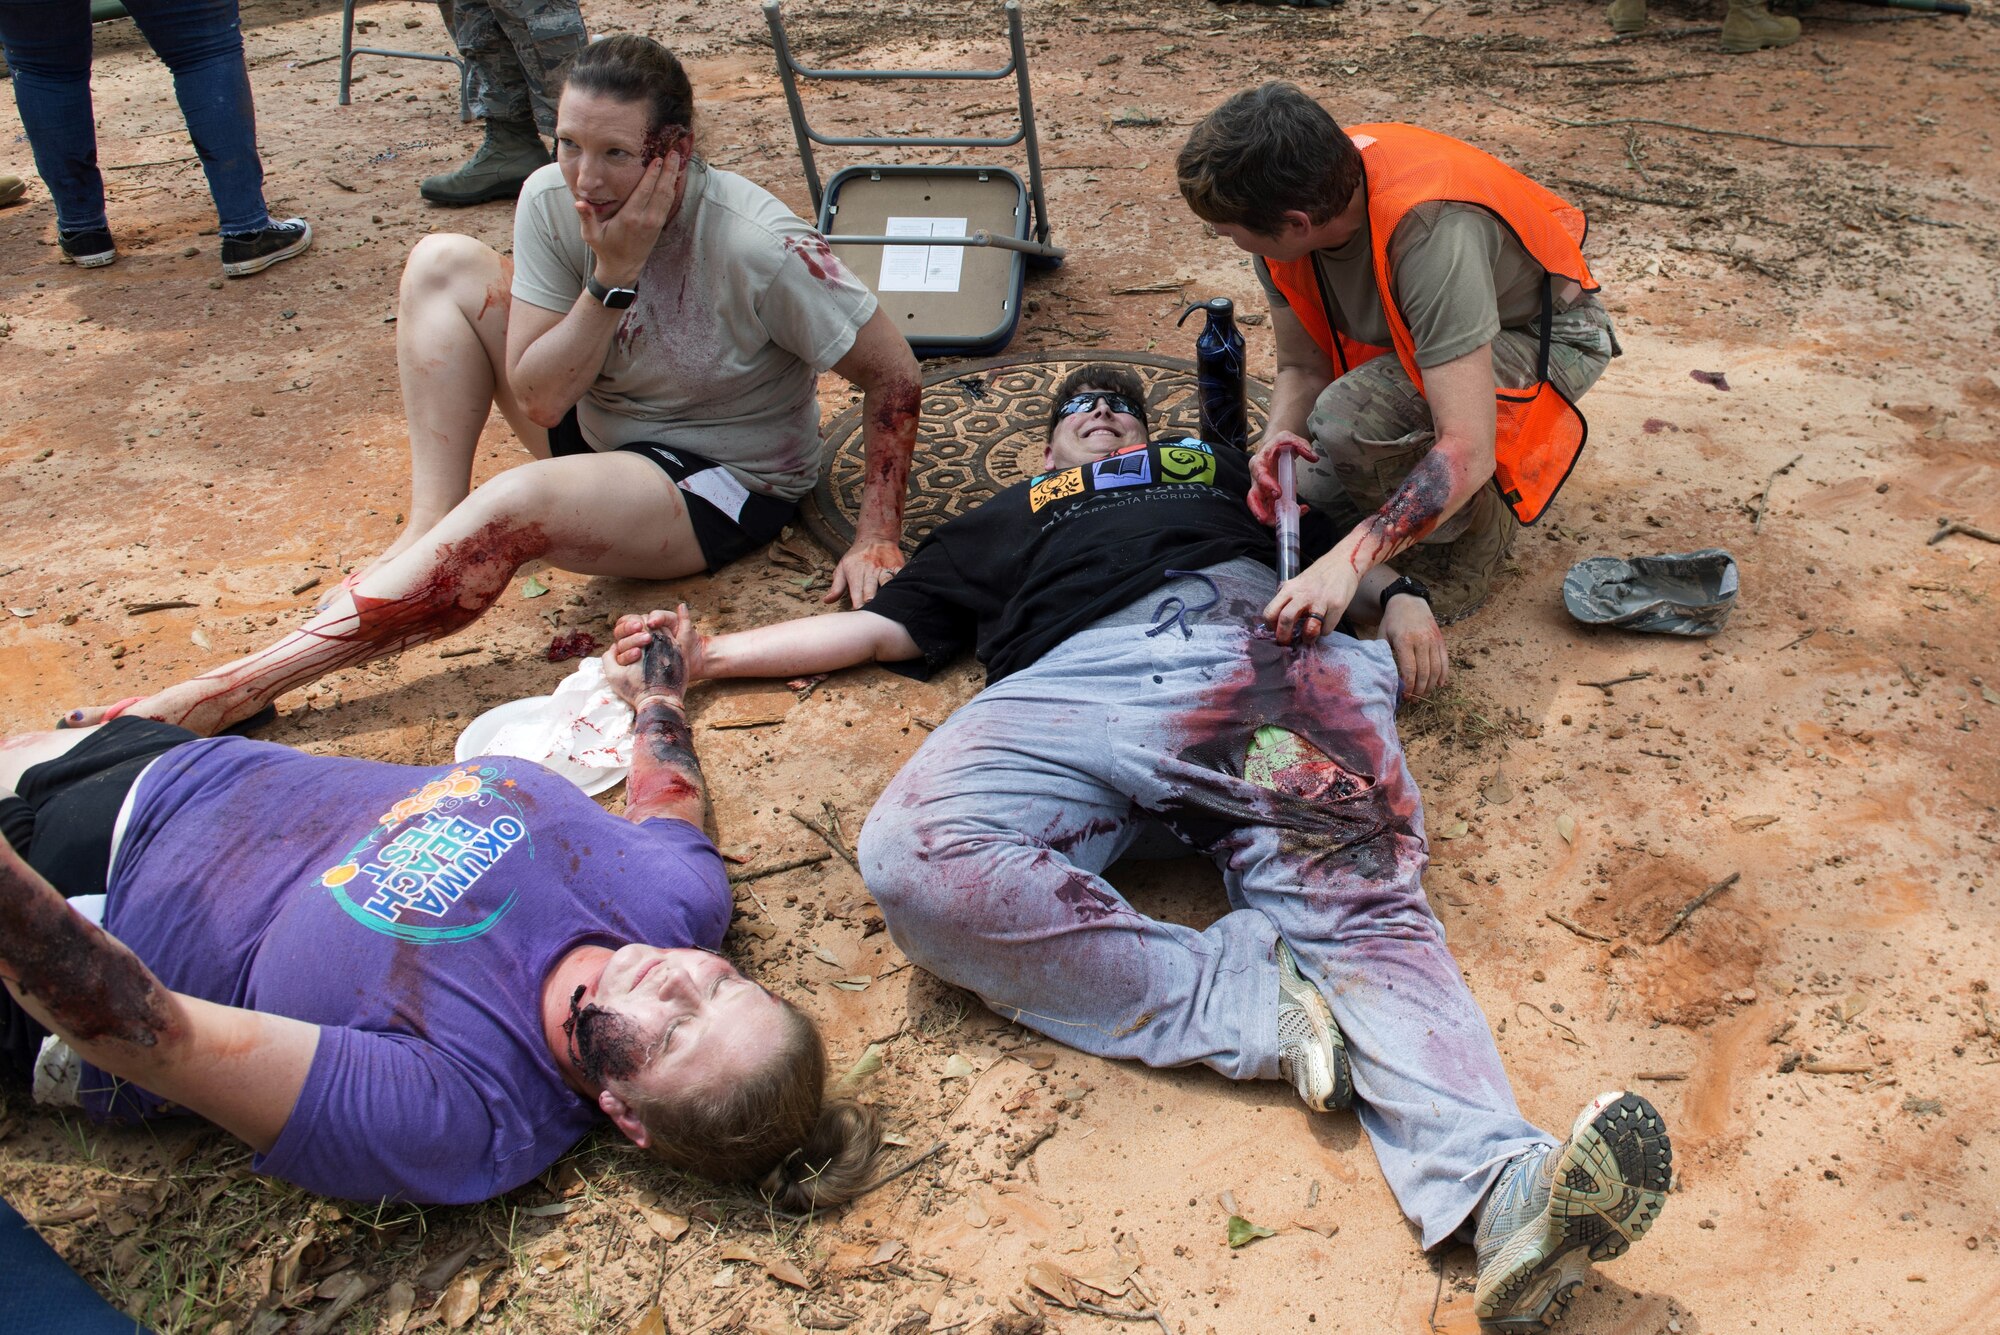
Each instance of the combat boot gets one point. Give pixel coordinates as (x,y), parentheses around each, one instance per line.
(1751,26)
(511,154)
(1627,15)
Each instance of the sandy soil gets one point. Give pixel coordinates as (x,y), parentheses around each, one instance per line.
(1821,1035)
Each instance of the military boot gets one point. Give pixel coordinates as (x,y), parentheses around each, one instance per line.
(1627,15)
(1459,573)
(512,152)
(1751,26)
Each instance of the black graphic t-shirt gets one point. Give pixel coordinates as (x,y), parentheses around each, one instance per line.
(1047,557)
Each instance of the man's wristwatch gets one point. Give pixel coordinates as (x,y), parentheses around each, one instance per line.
(1403,584)
(613,298)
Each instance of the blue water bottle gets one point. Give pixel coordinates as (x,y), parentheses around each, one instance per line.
(1218,359)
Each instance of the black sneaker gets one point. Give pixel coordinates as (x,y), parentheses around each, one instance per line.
(89,250)
(254,252)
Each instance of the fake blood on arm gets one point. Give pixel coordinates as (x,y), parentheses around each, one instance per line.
(1412,510)
(90,984)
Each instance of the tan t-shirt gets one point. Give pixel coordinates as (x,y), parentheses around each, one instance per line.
(1460,276)
(740,306)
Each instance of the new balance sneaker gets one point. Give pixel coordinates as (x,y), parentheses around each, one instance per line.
(1556,1209)
(91,249)
(254,252)
(1311,1052)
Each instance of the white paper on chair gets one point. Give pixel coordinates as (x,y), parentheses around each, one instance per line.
(922,268)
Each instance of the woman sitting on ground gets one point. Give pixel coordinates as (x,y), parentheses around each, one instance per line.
(658,354)
(396,982)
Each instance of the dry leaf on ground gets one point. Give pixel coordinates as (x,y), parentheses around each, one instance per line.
(785,1272)
(461,1301)
(667,1225)
(653,1323)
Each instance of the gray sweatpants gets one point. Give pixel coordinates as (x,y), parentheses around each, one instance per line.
(986,854)
(1372,425)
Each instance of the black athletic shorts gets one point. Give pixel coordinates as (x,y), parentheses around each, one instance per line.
(723,537)
(61,824)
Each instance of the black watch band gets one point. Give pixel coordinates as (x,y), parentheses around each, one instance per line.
(612,298)
(1403,584)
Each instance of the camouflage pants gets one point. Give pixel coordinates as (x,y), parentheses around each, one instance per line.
(1372,425)
(513,49)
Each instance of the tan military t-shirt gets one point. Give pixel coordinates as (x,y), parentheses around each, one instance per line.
(740,306)
(1460,275)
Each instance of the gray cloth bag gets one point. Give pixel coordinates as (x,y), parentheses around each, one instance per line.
(1681,593)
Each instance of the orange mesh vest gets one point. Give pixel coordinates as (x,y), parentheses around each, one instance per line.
(1539,433)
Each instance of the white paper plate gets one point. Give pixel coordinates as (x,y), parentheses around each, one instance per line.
(477,740)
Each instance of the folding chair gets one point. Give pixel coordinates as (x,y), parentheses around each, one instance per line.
(348,51)
(945,248)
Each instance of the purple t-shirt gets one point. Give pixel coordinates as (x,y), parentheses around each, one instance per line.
(413,914)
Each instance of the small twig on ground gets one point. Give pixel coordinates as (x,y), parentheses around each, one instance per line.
(316,60)
(1764,496)
(1632,155)
(1563,1031)
(1647,78)
(825,832)
(895,1173)
(1581,64)
(1893,216)
(1606,686)
(790,864)
(1665,34)
(1799,640)
(1837,1068)
(1583,932)
(1158,1315)
(1735,256)
(167,605)
(1660,755)
(1113,1313)
(160,162)
(1660,1075)
(1612,192)
(1683,125)
(1163,285)
(1953,526)
(460,653)
(1687,910)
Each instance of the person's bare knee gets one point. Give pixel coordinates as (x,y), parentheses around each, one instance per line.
(457,268)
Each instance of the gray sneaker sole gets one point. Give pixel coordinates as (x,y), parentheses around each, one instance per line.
(1610,1183)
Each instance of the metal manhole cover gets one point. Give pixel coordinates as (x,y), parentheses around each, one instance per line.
(984,425)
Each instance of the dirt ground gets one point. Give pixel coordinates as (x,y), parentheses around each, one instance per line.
(1820,1035)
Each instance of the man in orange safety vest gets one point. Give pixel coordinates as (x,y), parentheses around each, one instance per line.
(1435,323)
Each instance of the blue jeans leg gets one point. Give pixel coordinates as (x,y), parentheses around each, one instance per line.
(202,43)
(48,45)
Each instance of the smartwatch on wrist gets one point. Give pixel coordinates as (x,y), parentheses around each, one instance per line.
(1403,584)
(613,298)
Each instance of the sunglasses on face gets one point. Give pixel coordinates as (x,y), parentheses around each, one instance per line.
(1088,400)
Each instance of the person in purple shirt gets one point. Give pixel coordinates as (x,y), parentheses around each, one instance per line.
(420,984)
